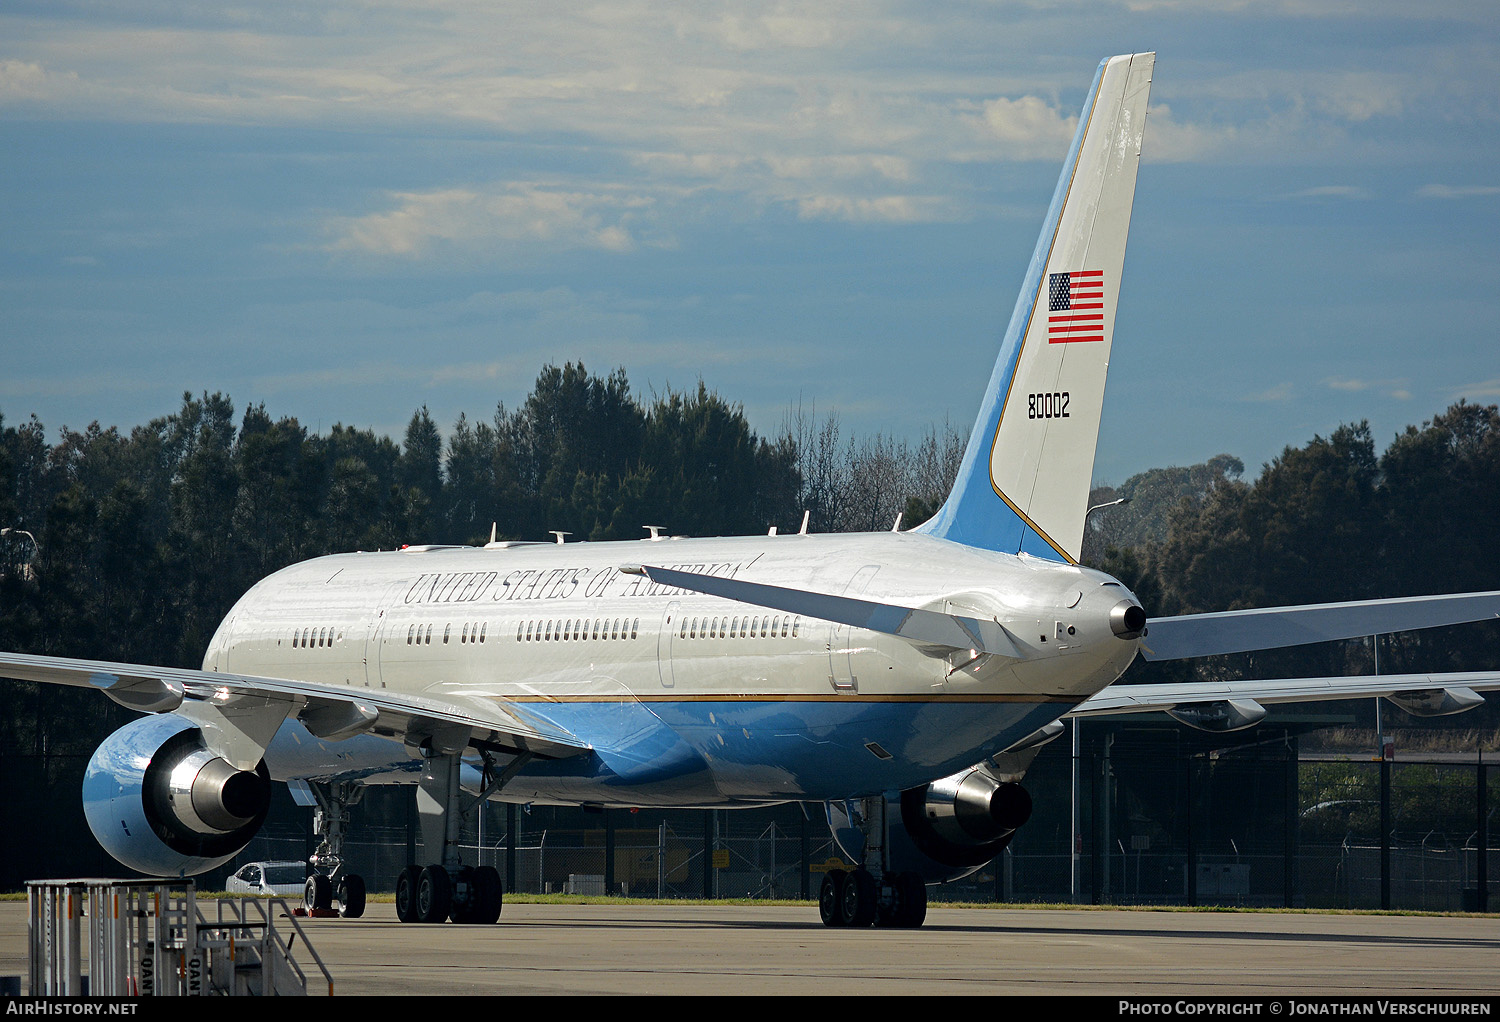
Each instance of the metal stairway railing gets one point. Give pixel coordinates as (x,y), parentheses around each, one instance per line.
(152,938)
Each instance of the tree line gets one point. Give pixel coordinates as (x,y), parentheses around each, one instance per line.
(1332,520)
(134,545)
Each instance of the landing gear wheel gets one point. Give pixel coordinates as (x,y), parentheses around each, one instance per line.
(831,897)
(461,906)
(317,895)
(489,894)
(434,895)
(406,894)
(857,905)
(911,901)
(351,893)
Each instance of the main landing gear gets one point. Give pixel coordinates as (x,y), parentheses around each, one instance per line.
(448,889)
(873,895)
(856,898)
(431,894)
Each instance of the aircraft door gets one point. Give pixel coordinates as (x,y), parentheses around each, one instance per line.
(375,635)
(840,648)
(669,627)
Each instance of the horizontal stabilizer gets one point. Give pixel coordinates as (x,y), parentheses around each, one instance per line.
(1401,689)
(937,632)
(1239,631)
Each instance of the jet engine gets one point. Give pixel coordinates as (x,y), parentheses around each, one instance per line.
(960,822)
(943,831)
(161,803)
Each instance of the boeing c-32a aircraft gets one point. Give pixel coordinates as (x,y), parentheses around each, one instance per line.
(904,679)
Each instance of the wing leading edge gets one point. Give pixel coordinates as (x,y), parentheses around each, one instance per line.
(245,710)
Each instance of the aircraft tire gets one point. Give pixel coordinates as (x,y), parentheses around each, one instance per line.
(858,903)
(406,894)
(317,895)
(490,892)
(351,893)
(434,895)
(831,896)
(461,909)
(911,901)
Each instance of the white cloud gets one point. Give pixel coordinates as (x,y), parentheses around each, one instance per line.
(1029,125)
(884,209)
(1438,191)
(529,213)
(1280,393)
(1395,389)
(1332,192)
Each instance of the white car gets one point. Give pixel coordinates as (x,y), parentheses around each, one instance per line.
(282,879)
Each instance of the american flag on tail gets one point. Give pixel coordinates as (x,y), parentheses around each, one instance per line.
(1075,305)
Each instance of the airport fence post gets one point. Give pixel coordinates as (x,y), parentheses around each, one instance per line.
(1482,831)
(1291,836)
(1385,831)
(1193,766)
(806,870)
(609,852)
(708,854)
(510,847)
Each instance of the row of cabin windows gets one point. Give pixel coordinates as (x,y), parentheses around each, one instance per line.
(772,627)
(573,629)
(305,638)
(416,635)
(564,631)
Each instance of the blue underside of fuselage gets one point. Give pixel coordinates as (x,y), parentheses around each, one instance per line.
(704,752)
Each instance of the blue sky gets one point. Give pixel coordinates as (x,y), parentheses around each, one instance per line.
(351,210)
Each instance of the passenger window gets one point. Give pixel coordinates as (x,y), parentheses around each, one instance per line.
(482,629)
(635,627)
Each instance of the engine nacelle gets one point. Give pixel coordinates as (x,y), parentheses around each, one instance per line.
(946,830)
(161,803)
(965,820)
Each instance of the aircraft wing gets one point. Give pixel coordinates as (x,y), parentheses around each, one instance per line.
(246,710)
(1230,705)
(1239,631)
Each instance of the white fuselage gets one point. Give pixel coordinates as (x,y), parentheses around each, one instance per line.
(687,698)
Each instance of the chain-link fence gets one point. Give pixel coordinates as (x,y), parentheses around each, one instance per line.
(1151,824)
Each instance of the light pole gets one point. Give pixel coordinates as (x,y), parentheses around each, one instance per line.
(1076,824)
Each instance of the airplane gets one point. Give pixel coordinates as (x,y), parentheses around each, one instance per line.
(904,679)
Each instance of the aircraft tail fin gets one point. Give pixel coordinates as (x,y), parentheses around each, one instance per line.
(1023,484)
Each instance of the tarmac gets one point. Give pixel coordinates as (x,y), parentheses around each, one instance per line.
(740,950)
